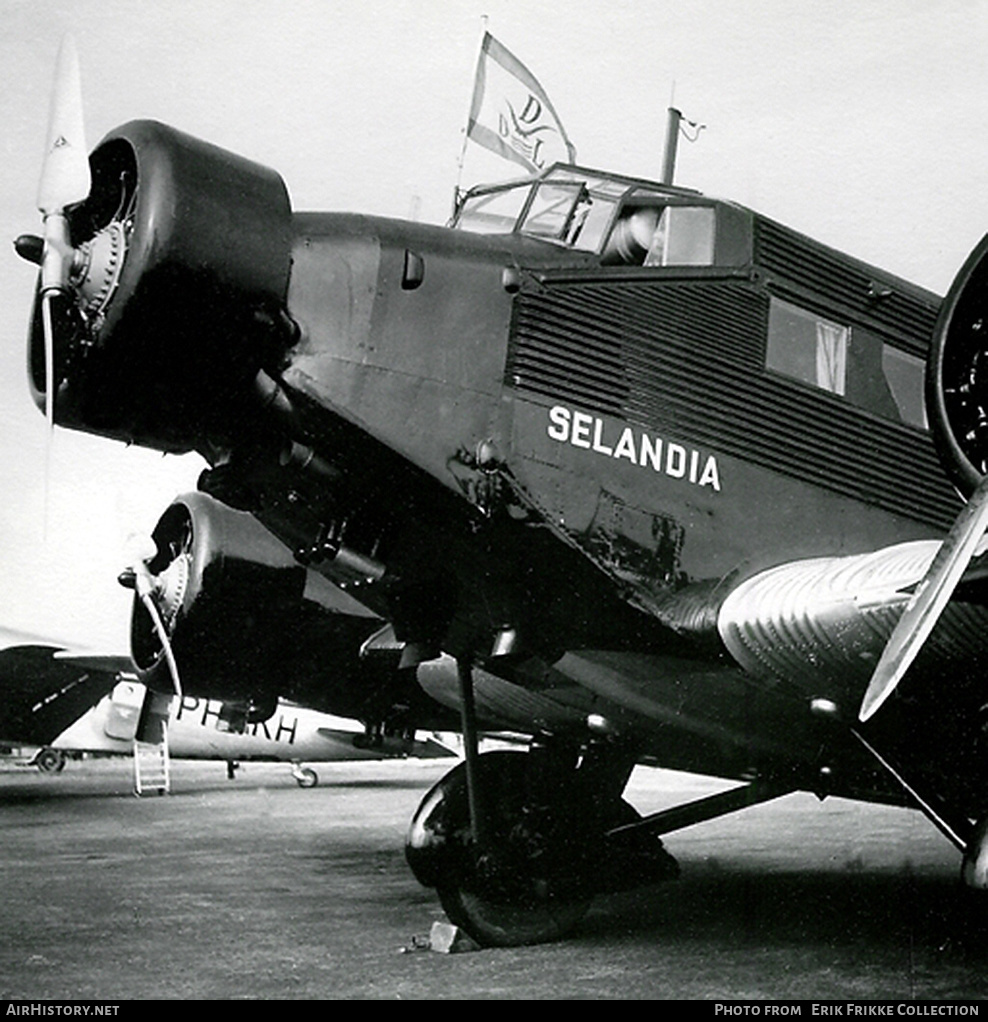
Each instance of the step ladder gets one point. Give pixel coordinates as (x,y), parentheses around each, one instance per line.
(151,768)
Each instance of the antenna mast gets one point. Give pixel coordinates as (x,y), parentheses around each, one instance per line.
(672,141)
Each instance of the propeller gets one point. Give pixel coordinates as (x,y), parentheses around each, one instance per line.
(138,577)
(65,182)
(928,601)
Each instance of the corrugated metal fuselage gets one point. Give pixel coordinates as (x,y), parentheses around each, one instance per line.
(633,413)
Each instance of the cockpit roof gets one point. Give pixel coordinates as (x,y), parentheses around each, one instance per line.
(624,221)
(645,226)
(505,207)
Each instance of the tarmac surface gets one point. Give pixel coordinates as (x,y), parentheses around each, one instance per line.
(255,888)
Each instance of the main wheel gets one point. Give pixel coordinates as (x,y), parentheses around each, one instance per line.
(535,917)
(50,761)
(519,889)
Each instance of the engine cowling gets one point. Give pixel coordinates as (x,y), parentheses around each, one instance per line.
(957,375)
(181,257)
(248,623)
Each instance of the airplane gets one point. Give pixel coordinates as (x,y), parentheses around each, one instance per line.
(45,687)
(208,729)
(632,470)
(60,699)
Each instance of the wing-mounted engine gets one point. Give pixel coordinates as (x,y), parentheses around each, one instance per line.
(178,269)
(247,623)
(957,375)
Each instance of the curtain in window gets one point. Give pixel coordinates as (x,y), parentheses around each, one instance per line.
(831,356)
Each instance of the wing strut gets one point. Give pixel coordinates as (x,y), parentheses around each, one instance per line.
(667,820)
(936,815)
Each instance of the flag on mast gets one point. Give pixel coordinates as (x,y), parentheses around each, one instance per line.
(511,114)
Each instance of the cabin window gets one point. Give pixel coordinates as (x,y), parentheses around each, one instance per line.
(905,375)
(685,237)
(853,362)
(662,236)
(807,347)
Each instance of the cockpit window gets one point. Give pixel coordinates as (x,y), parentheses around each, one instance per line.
(642,227)
(687,237)
(556,210)
(566,205)
(591,217)
(492,212)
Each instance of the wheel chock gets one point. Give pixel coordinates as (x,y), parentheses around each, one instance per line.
(448,939)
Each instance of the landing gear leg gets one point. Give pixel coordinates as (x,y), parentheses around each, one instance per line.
(305,777)
(471,753)
(516,845)
(491,847)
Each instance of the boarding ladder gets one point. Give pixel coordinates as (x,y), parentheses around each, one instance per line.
(151,767)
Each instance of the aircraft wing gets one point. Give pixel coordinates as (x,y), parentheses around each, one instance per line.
(116,663)
(416,748)
(43,689)
(783,641)
(736,696)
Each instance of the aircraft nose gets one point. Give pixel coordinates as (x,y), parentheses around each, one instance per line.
(175,287)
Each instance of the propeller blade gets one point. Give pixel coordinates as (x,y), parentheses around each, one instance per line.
(49,336)
(49,333)
(142,549)
(145,591)
(65,177)
(928,601)
(65,181)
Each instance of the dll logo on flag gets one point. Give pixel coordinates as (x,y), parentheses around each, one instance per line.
(511,114)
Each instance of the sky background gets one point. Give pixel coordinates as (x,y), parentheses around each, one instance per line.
(860,123)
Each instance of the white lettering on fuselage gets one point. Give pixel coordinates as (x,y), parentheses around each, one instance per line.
(592,434)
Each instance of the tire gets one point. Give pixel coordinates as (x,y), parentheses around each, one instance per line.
(307,778)
(50,761)
(539,919)
(496,899)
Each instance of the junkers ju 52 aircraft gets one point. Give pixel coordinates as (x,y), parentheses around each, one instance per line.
(635,471)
